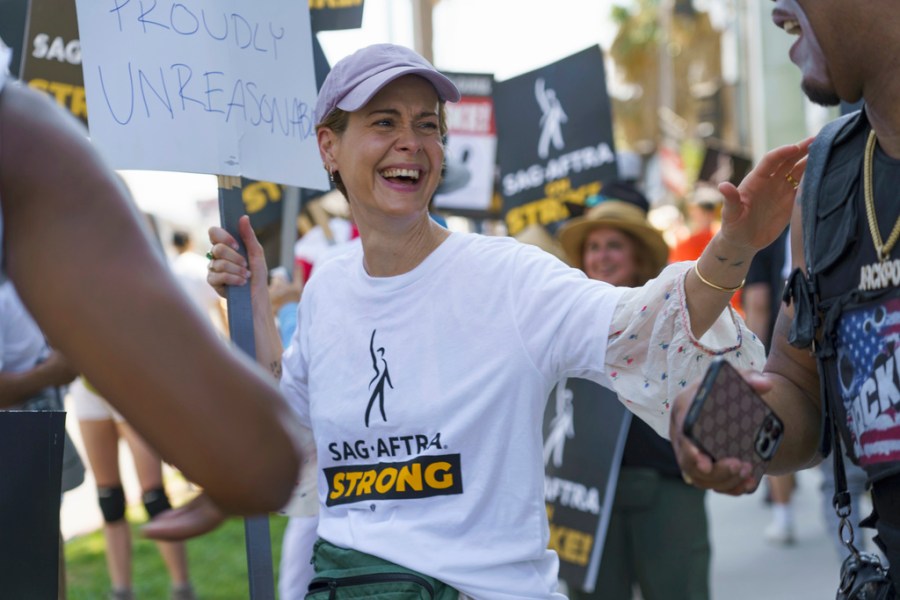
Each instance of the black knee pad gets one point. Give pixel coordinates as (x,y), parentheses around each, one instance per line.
(156,501)
(112,503)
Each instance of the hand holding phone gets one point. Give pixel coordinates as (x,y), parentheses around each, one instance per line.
(728,419)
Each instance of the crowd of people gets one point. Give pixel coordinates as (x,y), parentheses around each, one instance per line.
(422,358)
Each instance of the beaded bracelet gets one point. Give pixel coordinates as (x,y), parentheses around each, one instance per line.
(714,286)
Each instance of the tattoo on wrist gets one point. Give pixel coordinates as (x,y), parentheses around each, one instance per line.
(725,259)
(275,367)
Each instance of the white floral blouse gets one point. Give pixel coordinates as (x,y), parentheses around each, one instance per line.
(652,354)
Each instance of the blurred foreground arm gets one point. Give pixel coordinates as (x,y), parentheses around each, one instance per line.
(85,267)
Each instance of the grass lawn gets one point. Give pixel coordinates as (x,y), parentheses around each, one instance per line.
(217,562)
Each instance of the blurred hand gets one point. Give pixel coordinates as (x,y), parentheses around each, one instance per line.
(195,518)
(728,475)
(59,369)
(282,291)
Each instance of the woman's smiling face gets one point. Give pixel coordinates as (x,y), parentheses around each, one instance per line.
(391,154)
(610,255)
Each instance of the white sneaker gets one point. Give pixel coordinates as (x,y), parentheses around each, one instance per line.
(779,533)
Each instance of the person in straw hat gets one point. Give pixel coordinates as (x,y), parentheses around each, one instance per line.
(614,242)
(622,212)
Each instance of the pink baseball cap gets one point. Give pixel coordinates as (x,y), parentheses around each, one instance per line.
(355,79)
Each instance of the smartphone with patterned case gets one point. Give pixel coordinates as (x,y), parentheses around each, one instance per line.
(729,419)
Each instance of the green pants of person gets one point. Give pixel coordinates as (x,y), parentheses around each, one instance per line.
(657,541)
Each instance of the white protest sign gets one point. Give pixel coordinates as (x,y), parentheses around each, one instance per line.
(224,87)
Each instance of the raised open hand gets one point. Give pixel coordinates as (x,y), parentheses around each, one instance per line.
(759,208)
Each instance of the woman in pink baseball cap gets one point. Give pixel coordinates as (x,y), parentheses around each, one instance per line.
(423,359)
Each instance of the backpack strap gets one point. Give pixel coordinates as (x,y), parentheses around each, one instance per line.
(819,152)
(801,289)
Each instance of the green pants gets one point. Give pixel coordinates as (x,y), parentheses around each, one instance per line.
(657,540)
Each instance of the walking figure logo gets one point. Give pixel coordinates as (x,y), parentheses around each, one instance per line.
(562,427)
(552,118)
(379,364)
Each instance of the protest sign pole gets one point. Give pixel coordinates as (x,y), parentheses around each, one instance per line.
(240,324)
(290,210)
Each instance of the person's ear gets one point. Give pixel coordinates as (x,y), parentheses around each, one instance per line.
(328,145)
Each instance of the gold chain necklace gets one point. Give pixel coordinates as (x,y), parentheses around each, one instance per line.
(882,250)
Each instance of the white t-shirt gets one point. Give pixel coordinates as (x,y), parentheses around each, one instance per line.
(451,364)
(21,340)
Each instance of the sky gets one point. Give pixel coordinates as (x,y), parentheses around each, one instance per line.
(502,37)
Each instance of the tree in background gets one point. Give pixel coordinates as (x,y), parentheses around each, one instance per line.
(679,100)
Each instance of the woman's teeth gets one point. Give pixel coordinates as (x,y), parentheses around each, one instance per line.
(408,173)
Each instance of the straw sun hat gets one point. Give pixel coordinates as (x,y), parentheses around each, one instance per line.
(617,214)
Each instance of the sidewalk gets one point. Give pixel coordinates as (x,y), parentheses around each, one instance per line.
(746,567)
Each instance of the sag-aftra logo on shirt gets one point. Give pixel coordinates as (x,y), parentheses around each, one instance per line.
(421,476)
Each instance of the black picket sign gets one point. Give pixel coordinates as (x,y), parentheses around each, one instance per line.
(31,444)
